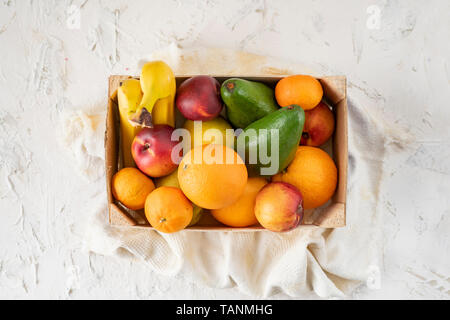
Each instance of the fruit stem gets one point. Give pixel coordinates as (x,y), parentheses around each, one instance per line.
(162,220)
(230,86)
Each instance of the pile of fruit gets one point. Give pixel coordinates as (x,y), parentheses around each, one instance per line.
(221,167)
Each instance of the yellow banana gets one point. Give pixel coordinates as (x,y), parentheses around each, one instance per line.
(164,112)
(129,96)
(157,106)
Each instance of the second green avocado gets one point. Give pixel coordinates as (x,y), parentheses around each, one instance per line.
(247,101)
(269,144)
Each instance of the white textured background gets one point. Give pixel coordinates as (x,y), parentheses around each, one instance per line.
(398,69)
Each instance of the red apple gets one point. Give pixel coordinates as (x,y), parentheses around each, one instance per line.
(319,126)
(198,98)
(279,207)
(152,151)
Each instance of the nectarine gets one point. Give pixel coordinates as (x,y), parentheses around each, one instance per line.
(319,126)
(279,207)
(198,98)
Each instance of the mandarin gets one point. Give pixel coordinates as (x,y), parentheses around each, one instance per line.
(241,213)
(305,91)
(168,210)
(131,187)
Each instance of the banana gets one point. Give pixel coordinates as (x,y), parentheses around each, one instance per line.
(157,106)
(164,112)
(129,96)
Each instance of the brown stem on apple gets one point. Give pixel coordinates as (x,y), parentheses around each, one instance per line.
(305,135)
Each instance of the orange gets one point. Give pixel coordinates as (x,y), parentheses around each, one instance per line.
(131,187)
(305,91)
(242,212)
(314,173)
(212,176)
(172,181)
(168,210)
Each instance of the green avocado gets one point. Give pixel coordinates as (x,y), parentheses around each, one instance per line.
(247,101)
(260,152)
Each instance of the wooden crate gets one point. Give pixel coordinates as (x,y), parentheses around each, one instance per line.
(331,215)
